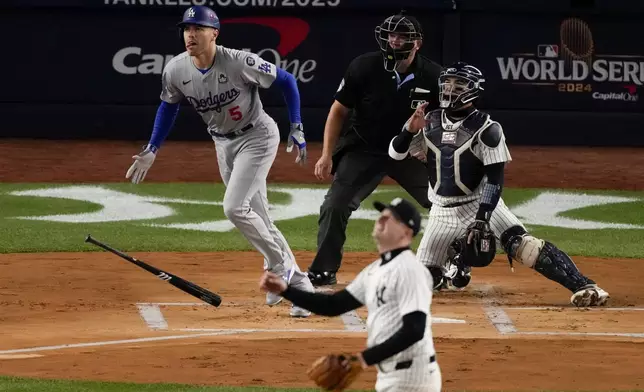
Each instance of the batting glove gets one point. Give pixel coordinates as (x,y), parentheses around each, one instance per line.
(296,136)
(142,164)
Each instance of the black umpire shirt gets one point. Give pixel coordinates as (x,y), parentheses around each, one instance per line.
(381,103)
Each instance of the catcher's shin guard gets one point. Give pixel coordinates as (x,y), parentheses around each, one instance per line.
(556,265)
(544,257)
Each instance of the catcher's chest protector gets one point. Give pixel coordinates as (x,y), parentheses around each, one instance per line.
(454,170)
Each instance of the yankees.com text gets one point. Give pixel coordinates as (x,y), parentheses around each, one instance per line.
(229,3)
(132,61)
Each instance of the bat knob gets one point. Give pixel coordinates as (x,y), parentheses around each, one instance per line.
(88,238)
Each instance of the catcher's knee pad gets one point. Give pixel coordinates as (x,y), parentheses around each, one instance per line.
(520,245)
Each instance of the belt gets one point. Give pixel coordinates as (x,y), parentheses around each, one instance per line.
(407,364)
(233,134)
(458,204)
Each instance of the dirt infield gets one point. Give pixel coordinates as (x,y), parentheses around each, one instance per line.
(107,161)
(59,299)
(94,316)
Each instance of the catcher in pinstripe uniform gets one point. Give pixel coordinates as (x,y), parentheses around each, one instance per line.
(466,153)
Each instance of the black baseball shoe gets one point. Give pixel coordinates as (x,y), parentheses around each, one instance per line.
(324,278)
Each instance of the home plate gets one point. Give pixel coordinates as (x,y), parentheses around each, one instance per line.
(19,356)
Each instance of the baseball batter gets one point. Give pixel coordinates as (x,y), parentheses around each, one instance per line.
(397,291)
(222,85)
(466,155)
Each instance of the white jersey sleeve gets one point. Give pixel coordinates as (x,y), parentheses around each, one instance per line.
(169,92)
(358,287)
(413,286)
(491,155)
(255,70)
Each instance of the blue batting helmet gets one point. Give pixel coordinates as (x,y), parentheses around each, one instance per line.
(201,16)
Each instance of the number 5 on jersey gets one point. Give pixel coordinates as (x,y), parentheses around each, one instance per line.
(235,113)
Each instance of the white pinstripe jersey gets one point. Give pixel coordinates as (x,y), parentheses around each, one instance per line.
(226,96)
(390,291)
(451,131)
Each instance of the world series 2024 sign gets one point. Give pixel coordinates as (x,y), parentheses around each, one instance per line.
(556,64)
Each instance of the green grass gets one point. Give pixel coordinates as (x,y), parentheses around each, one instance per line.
(630,213)
(41,236)
(19,384)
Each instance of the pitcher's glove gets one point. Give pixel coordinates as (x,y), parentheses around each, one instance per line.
(335,372)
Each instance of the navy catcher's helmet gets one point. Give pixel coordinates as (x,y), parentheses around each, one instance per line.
(201,16)
(403,25)
(465,89)
(474,254)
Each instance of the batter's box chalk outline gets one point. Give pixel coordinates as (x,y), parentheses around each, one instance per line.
(504,325)
(153,317)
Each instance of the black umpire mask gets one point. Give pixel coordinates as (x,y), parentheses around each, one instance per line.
(396,37)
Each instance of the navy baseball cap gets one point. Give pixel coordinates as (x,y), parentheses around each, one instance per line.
(404,211)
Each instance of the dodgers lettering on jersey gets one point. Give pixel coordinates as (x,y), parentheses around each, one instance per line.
(226,96)
(456,156)
(390,291)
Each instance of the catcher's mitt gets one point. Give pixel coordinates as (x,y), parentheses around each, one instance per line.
(335,372)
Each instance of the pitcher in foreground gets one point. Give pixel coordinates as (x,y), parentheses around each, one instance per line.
(397,291)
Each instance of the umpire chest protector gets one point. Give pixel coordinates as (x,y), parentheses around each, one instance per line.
(454,170)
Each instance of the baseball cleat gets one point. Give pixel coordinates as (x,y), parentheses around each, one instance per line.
(301,282)
(299,312)
(274,299)
(590,295)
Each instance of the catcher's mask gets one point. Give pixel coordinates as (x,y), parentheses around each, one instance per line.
(474,254)
(396,37)
(459,84)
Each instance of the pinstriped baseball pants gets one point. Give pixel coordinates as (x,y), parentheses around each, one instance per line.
(447,224)
(421,377)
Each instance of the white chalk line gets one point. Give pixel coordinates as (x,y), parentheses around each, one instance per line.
(20,356)
(615,334)
(495,314)
(114,342)
(596,308)
(504,325)
(207,333)
(153,316)
(267,330)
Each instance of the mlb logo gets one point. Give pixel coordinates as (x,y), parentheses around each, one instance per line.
(448,138)
(485,245)
(548,51)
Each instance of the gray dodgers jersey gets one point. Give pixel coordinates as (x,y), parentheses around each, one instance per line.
(227,96)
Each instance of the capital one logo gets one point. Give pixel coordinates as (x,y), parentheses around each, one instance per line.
(133,60)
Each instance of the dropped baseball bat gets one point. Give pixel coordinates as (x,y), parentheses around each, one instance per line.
(178,282)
